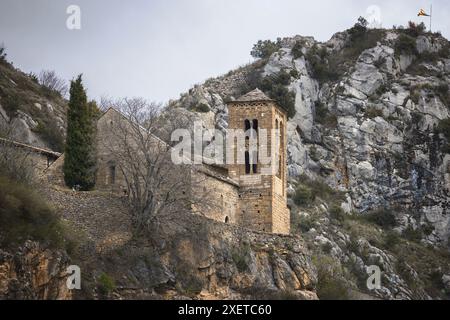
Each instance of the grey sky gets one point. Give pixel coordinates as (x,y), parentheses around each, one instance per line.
(159,48)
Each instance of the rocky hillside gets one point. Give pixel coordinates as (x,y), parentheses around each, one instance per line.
(30,113)
(369,118)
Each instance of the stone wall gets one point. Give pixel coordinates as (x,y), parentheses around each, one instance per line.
(262,197)
(217,198)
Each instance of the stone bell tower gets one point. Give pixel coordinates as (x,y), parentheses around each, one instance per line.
(262,186)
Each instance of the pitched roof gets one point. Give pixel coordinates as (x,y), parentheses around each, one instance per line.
(46,152)
(255,95)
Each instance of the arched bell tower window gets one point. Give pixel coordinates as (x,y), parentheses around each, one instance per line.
(247,125)
(255,125)
(247,162)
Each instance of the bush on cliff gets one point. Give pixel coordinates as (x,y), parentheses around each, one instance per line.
(25,216)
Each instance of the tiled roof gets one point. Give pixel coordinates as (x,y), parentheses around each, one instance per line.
(255,95)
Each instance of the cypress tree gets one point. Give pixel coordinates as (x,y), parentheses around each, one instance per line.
(79,158)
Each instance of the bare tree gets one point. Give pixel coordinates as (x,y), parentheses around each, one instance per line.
(2,52)
(156,187)
(51,81)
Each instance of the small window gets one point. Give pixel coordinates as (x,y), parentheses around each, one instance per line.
(227,220)
(255,163)
(247,163)
(112,174)
(247,125)
(255,125)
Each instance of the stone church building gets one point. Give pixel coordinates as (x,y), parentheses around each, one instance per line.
(241,194)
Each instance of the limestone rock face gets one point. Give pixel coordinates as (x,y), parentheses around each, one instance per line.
(381,148)
(28,114)
(197,258)
(33,273)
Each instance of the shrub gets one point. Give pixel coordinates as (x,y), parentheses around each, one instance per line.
(275,87)
(337,213)
(415,30)
(331,284)
(202,108)
(414,235)
(264,49)
(405,45)
(391,240)
(372,112)
(189,283)
(382,217)
(241,257)
(359,30)
(303,196)
(318,64)
(2,53)
(444,128)
(313,153)
(106,284)
(52,83)
(324,116)
(297,50)
(25,216)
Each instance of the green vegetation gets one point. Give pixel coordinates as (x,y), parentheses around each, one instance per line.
(275,86)
(324,116)
(24,215)
(308,191)
(373,112)
(319,65)
(405,45)
(415,30)
(302,224)
(331,284)
(384,218)
(241,257)
(414,235)
(202,108)
(303,196)
(264,49)
(79,161)
(444,129)
(297,50)
(188,282)
(330,67)
(337,213)
(2,54)
(106,284)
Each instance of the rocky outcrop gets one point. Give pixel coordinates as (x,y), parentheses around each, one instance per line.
(33,272)
(372,131)
(190,257)
(30,113)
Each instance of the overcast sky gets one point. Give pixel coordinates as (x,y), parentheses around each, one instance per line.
(159,48)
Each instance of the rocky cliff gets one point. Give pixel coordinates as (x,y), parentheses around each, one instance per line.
(29,112)
(32,273)
(189,257)
(368,122)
